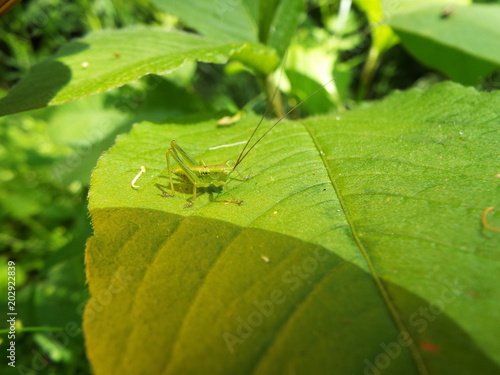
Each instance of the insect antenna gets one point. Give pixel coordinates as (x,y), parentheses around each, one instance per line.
(241,156)
(244,153)
(268,107)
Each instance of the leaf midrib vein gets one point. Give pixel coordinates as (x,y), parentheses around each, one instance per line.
(415,353)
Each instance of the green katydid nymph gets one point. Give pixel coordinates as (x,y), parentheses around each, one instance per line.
(202,176)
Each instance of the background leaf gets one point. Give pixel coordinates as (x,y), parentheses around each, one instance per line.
(105,60)
(222,20)
(272,23)
(449,41)
(359,246)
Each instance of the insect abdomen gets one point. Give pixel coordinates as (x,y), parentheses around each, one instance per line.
(207,172)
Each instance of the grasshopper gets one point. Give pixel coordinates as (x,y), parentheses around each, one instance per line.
(203,176)
(200,176)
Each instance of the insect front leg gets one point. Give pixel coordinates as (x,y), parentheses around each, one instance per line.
(243,177)
(231,164)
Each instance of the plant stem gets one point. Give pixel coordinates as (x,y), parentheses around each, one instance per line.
(274,101)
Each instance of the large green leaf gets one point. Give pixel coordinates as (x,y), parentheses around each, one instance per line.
(105,60)
(460,41)
(359,246)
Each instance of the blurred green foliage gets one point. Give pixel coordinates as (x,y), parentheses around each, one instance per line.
(33,30)
(43,210)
